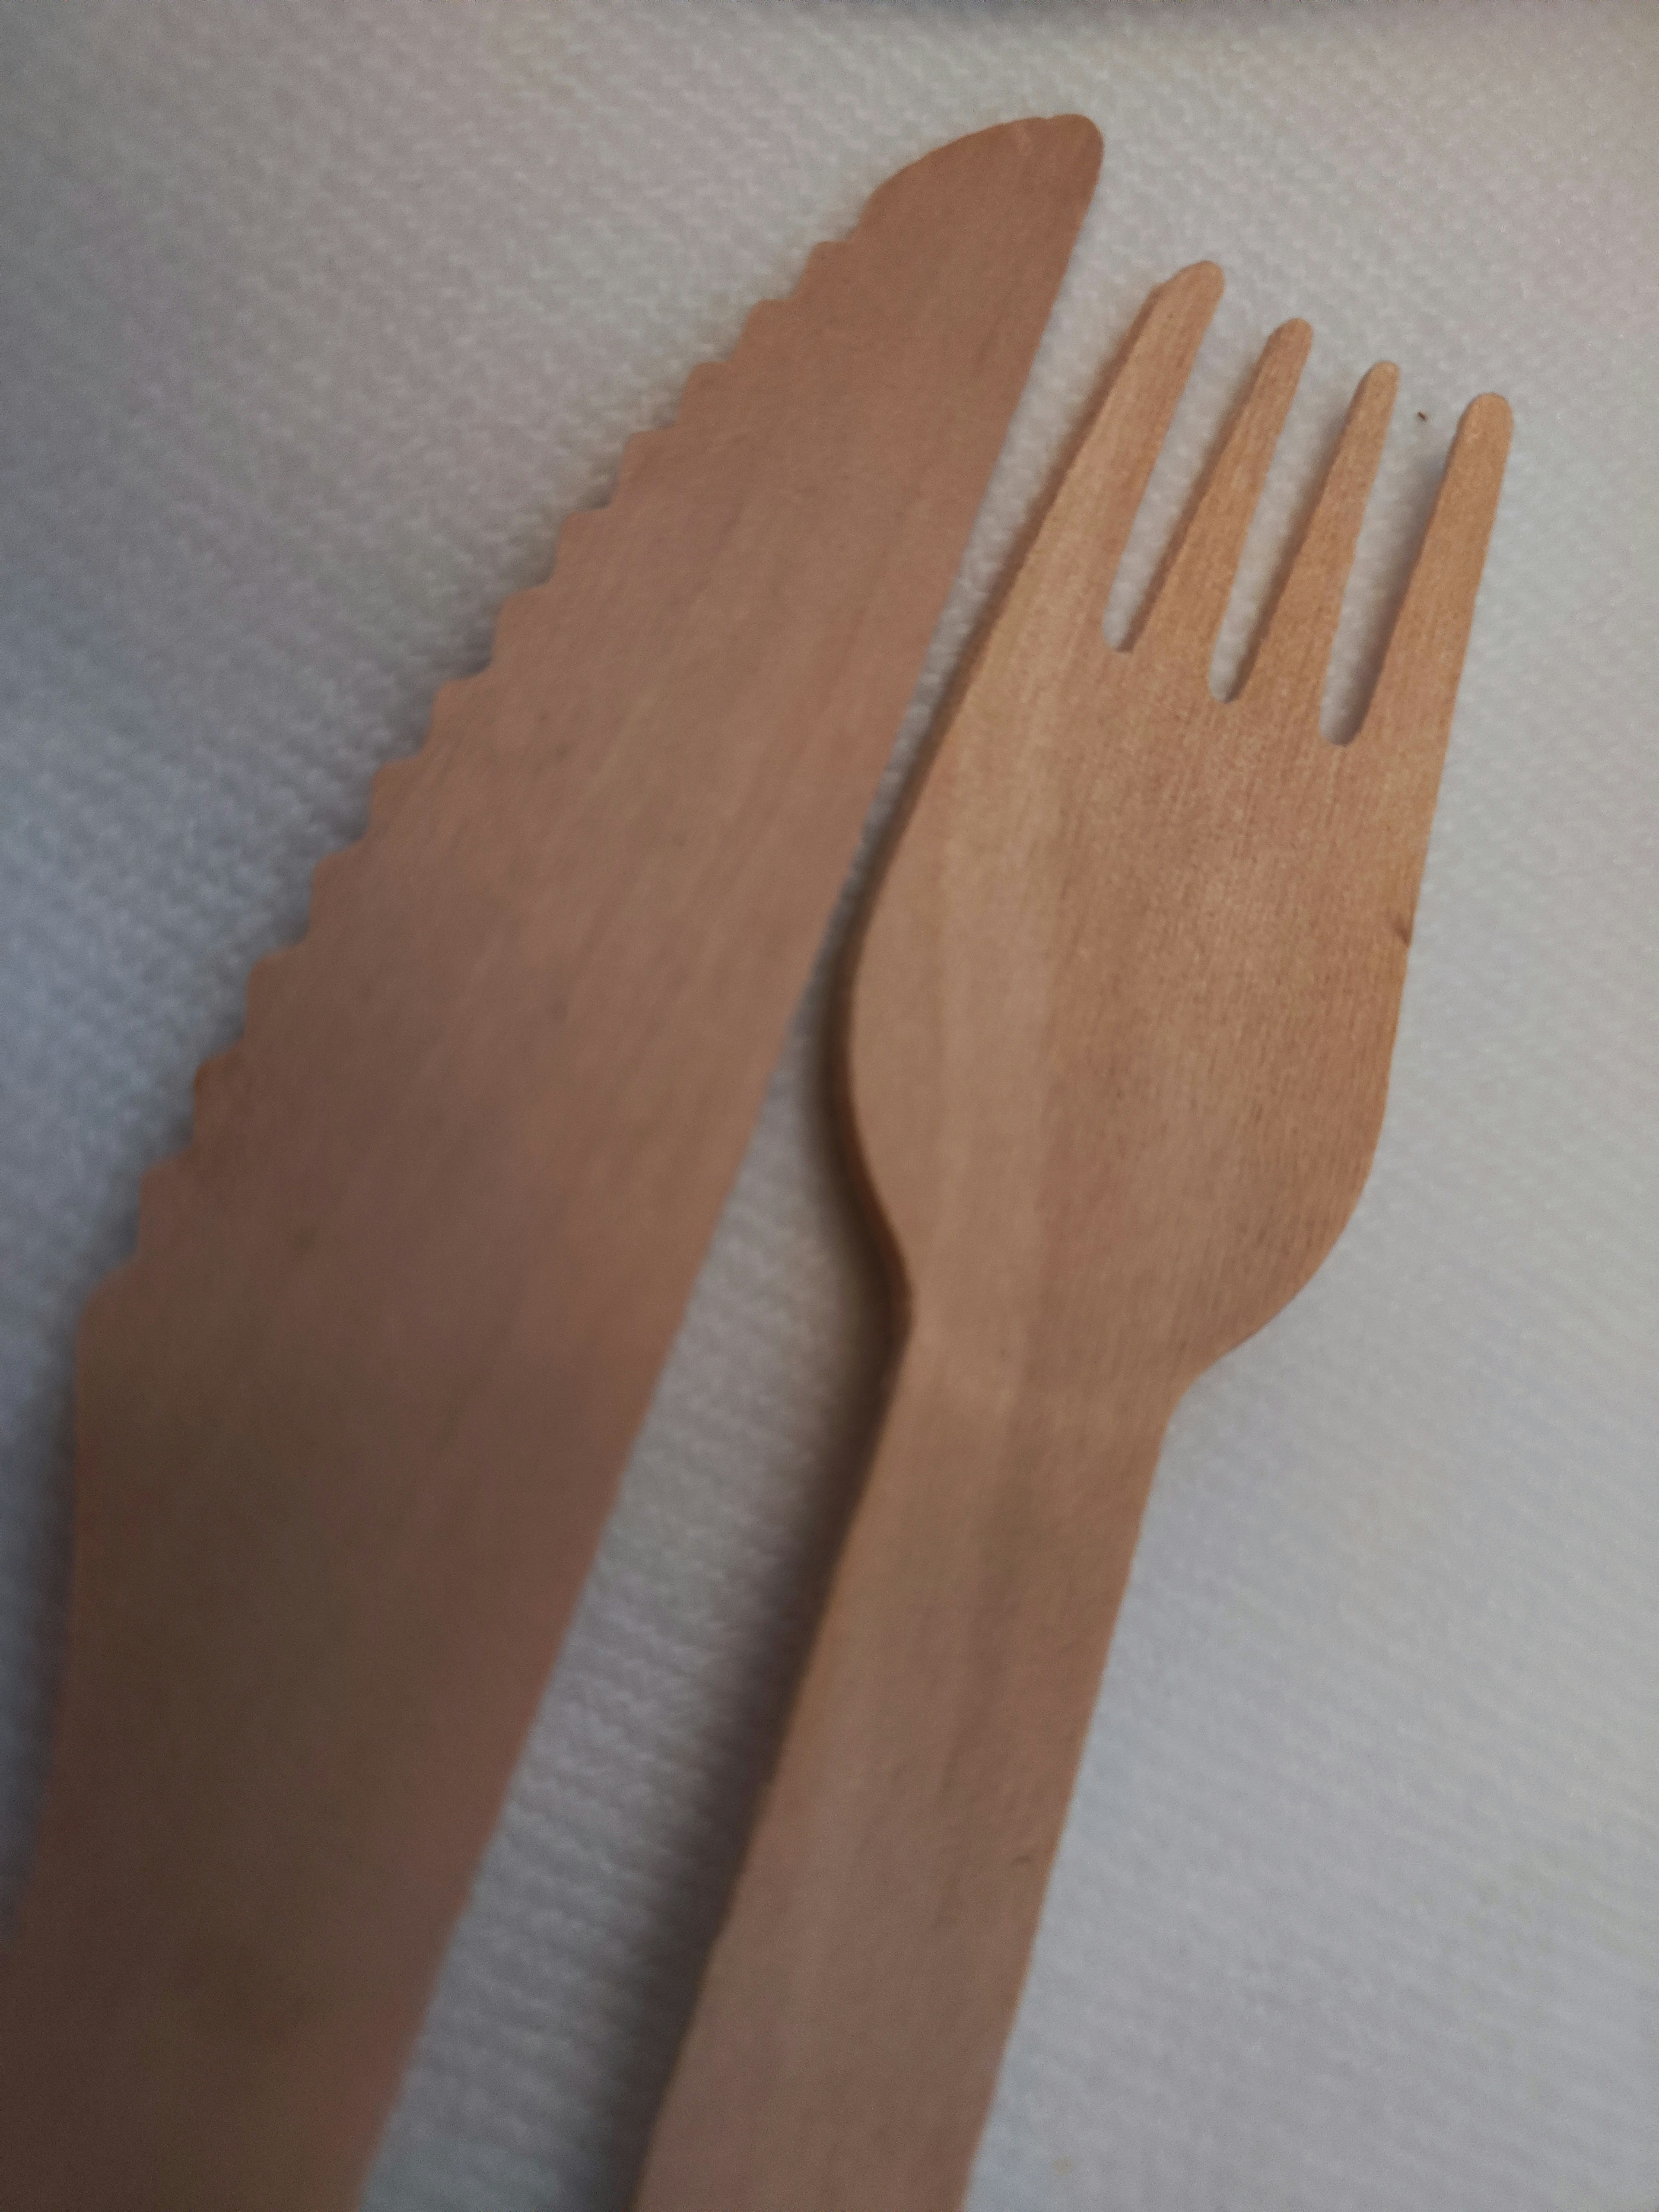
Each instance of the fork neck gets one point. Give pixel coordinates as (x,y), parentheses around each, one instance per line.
(1050,1384)
(1026,1417)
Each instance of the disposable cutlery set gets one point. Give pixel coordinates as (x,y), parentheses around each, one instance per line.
(1115,1045)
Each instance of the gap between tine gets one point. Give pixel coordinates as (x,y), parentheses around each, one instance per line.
(1397,757)
(1066,579)
(1288,670)
(1191,598)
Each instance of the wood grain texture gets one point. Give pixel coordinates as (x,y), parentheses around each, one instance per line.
(349,1425)
(1118,1040)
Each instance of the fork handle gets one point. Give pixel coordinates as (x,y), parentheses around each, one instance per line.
(845,2045)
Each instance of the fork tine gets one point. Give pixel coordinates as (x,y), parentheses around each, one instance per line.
(1191,598)
(1402,741)
(1065,578)
(1290,661)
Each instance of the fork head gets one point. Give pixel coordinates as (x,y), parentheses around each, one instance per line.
(1121,1016)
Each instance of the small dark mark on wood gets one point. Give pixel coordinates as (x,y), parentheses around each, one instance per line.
(1421,416)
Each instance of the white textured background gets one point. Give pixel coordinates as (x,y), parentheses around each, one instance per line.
(314,320)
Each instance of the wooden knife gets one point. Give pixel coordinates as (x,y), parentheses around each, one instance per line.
(349,1424)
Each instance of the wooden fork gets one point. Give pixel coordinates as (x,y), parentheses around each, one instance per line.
(1118,1045)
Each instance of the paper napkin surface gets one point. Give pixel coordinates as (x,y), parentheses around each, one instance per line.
(314,321)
